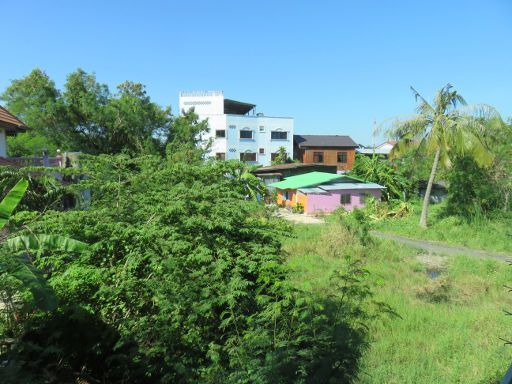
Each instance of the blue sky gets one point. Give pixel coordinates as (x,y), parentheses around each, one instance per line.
(334,66)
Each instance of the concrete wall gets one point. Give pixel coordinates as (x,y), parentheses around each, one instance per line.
(210,105)
(3,144)
(328,202)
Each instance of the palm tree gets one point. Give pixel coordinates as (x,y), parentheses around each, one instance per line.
(444,130)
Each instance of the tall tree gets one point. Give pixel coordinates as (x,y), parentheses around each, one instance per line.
(85,116)
(444,130)
(33,99)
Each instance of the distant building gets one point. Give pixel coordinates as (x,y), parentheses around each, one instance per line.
(319,192)
(325,149)
(9,125)
(237,131)
(380,150)
(274,173)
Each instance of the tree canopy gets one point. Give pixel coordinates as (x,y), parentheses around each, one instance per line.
(85,116)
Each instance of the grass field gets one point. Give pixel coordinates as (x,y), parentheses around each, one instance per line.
(447,329)
(487,234)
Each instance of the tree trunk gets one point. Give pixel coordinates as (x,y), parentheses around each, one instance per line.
(426,199)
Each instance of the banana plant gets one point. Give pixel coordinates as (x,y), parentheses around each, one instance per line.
(20,266)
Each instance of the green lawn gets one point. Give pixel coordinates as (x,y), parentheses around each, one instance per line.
(487,234)
(449,327)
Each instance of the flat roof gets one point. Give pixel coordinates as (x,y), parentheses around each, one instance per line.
(233,107)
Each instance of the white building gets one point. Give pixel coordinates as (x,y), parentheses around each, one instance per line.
(237,130)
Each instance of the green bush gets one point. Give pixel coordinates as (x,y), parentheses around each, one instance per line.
(189,280)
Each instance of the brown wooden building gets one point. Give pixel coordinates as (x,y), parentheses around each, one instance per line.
(325,149)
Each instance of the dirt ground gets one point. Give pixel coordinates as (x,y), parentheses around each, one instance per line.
(299,218)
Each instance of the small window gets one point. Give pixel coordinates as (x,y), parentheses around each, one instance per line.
(248,156)
(220,156)
(273,156)
(278,135)
(318,157)
(342,157)
(262,151)
(246,134)
(232,127)
(345,199)
(262,128)
(286,195)
(220,133)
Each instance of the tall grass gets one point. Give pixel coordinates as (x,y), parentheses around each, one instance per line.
(454,339)
(487,233)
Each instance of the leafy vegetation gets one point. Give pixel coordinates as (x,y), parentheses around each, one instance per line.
(85,116)
(198,293)
(378,170)
(440,330)
(445,131)
(492,232)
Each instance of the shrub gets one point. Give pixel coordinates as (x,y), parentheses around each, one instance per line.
(191,281)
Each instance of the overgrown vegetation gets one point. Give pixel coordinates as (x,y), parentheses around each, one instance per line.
(442,329)
(184,281)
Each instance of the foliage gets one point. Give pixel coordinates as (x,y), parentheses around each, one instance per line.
(282,157)
(85,116)
(378,171)
(298,208)
(471,192)
(450,341)
(11,201)
(185,142)
(491,232)
(444,130)
(189,277)
(29,143)
(45,191)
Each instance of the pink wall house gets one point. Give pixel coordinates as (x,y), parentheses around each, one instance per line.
(329,201)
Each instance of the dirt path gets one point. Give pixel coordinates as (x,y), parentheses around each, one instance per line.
(299,218)
(443,248)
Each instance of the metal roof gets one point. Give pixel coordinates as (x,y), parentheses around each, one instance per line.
(336,186)
(233,107)
(324,141)
(306,180)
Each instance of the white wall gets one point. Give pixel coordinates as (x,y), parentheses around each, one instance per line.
(3,144)
(210,105)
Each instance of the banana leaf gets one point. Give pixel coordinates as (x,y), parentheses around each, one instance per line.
(42,242)
(11,201)
(33,279)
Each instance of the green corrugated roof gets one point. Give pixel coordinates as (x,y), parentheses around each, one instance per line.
(306,180)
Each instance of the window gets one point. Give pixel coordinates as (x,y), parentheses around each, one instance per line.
(220,156)
(278,135)
(262,151)
(342,157)
(318,157)
(286,195)
(345,199)
(232,127)
(262,128)
(248,156)
(220,133)
(246,134)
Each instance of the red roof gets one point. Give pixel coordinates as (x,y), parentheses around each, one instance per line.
(10,122)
